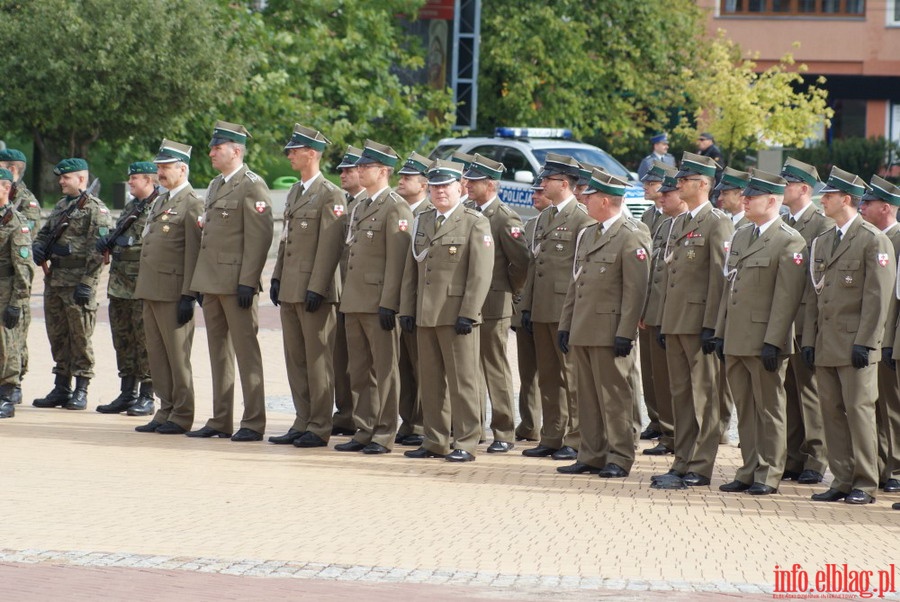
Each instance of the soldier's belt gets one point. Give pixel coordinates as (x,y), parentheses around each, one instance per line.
(6,271)
(67,262)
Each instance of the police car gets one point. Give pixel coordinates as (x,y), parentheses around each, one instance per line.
(523,150)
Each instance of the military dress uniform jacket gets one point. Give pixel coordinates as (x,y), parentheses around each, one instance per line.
(25,203)
(652,218)
(652,311)
(695,280)
(237,233)
(379,243)
(16,267)
(448,272)
(86,225)
(169,247)
(853,284)
(607,284)
(311,242)
(554,252)
(765,283)
(811,224)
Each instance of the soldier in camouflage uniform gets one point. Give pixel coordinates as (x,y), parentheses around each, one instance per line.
(125,312)
(15,288)
(25,203)
(70,304)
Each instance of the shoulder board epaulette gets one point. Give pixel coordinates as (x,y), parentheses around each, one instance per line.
(329,184)
(501,206)
(786,228)
(629,223)
(869,227)
(394,197)
(719,213)
(748,225)
(474,212)
(582,208)
(531,219)
(252,176)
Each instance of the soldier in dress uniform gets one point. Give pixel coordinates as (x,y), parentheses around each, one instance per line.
(879,208)
(379,242)
(344,396)
(765,271)
(237,233)
(542,300)
(306,284)
(853,271)
(466,160)
(413,187)
(70,304)
(696,254)
(600,322)
(126,310)
(446,281)
(16,273)
(169,249)
(806,457)
(660,154)
(510,271)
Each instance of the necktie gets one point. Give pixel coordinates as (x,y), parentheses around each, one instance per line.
(754,235)
(837,240)
(792,222)
(599,231)
(440,222)
(553,211)
(478,208)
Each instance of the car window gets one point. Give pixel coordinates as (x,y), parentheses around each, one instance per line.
(512,158)
(444,151)
(587,155)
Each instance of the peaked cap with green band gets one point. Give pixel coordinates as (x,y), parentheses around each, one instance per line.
(606,183)
(416,165)
(464,158)
(444,172)
(844,181)
(798,171)
(303,137)
(229,132)
(69,165)
(762,183)
(584,173)
(141,167)
(171,152)
(670,184)
(692,163)
(560,164)
(882,190)
(658,172)
(374,152)
(733,179)
(484,168)
(351,156)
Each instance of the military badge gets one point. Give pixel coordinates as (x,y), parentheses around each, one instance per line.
(166,228)
(165,217)
(559,246)
(224,215)
(798,258)
(727,246)
(201,219)
(339,210)
(403,225)
(883,259)
(691,254)
(488,241)
(23,252)
(25,230)
(304,225)
(104,210)
(848,280)
(452,250)
(641,253)
(260,206)
(32,204)
(515,232)
(370,234)
(694,234)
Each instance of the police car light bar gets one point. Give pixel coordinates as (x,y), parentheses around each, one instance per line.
(505,132)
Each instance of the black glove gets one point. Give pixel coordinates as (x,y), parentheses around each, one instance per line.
(387,318)
(124,241)
(720,348)
(708,340)
(82,294)
(887,357)
(60,250)
(185,309)
(245,296)
(769,357)
(313,301)
(860,357)
(11,317)
(407,324)
(661,339)
(200,299)
(102,244)
(38,254)
(464,325)
(562,340)
(526,322)
(809,356)
(274,290)
(622,346)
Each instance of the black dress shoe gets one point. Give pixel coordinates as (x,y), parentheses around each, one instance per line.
(287,438)
(421,453)
(342,432)
(734,487)
(832,495)
(858,496)
(891,486)
(350,446)
(309,439)
(460,455)
(649,433)
(578,468)
(896,506)
(375,448)
(206,432)
(150,427)
(612,471)
(659,450)
(671,473)
(541,451)
(668,481)
(761,489)
(809,477)
(245,434)
(170,428)
(692,479)
(500,447)
(790,475)
(565,453)
(412,440)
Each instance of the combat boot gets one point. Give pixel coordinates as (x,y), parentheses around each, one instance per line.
(127,398)
(7,407)
(16,396)
(59,396)
(79,397)
(144,404)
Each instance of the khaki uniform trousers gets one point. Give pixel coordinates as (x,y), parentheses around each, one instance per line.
(344,396)
(847,395)
(659,367)
(169,355)
(694,377)
(645,346)
(556,377)
(308,345)
(410,402)
(498,378)
(605,407)
(373,355)
(726,401)
(760,403)
(529,392)
(448,365)
(887,419)
(227,323)
(805,430)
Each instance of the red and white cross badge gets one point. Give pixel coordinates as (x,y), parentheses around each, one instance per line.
(641,253)
(403,225)
(883,259)
(798,258)
(261,206)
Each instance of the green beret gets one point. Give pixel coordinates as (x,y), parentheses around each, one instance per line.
(141,167)
(69,165)
(12,154)
(5,174)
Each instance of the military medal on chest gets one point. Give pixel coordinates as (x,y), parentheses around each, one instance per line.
(225,215)
(166,228)
(848,280)
(304,225)
(452,249)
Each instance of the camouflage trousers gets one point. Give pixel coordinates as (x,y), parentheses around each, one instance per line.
(12,342)
(127,326)
(69,328)
(23,338)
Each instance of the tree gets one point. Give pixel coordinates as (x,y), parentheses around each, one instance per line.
(607,66)
(79,71)
(746,109)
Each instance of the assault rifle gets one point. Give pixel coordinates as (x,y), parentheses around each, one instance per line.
(125,222)
(63,222)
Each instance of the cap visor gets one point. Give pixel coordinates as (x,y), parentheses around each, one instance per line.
(828,188)
(473,174)
(217,141)
(365,161)
(164,158)
(648,177)
(441,180)
(751,191)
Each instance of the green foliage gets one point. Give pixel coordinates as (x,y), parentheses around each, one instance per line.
(861,156)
